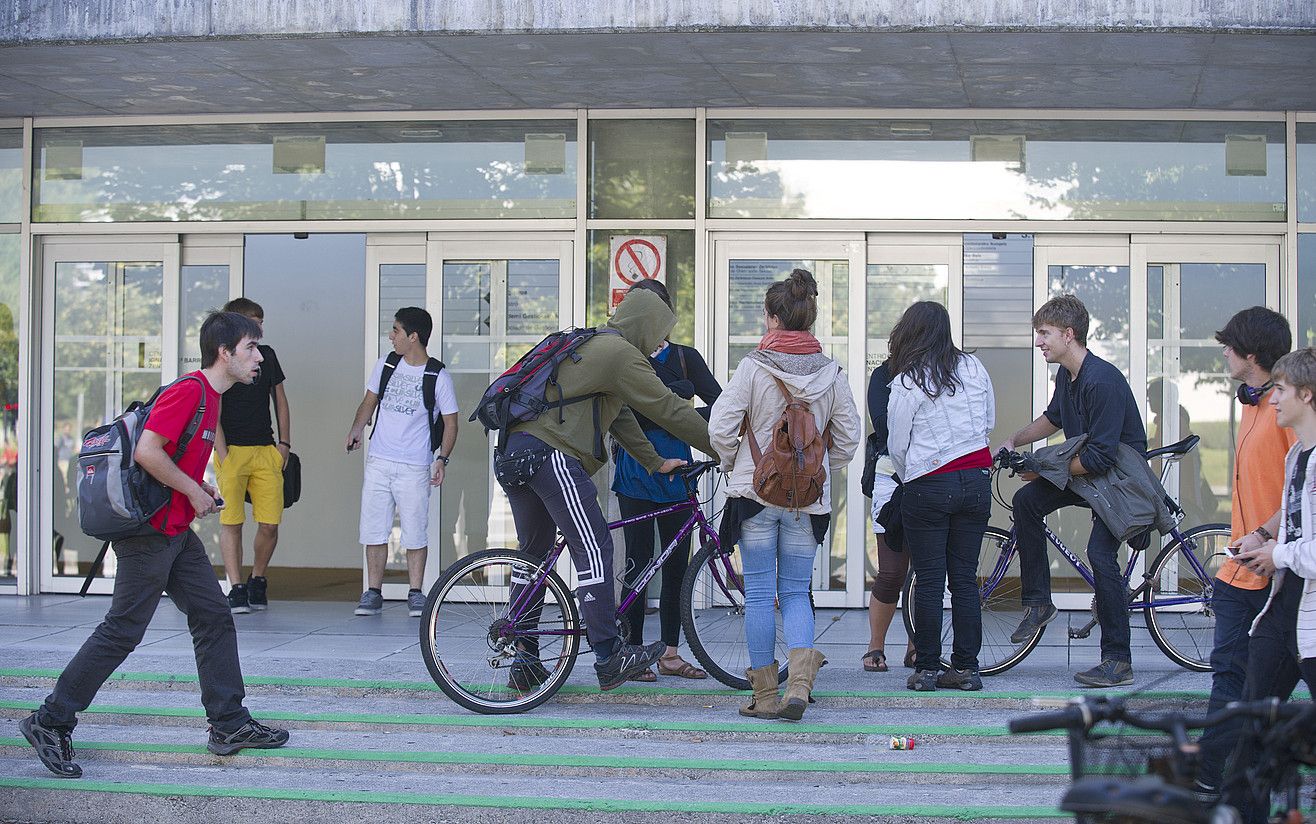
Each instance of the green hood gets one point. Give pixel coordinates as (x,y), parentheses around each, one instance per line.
(643,320)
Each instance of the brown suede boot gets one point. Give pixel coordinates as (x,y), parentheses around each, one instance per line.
(804,666)
(766,700)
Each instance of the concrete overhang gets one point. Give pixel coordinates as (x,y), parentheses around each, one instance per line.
(75,58)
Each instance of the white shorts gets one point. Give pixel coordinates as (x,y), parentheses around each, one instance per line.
(387,486)
(884,486)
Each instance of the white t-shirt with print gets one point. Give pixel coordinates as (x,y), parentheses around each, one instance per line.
(401,433)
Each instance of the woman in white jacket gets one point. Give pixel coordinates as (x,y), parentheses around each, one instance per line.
(778,545)
(939,416)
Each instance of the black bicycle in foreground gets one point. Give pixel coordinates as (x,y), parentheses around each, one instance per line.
(1132,766)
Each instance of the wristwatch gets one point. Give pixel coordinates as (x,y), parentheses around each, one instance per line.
(443,458)
(1264,533)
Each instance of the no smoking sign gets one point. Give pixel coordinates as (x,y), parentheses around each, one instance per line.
(634,258)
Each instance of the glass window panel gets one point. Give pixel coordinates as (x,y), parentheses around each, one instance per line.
(1189,390)
(952,169)
(204,290)
(10,357)
(1306,327)
(680,278)
(1306,169)
(891,288)
(11,175)
(400,284)
(108,321)
(642,169)
(493,311)
(369,170)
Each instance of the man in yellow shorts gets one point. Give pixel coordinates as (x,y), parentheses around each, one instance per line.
(251,463)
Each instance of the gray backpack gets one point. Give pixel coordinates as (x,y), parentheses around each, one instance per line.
(117,497)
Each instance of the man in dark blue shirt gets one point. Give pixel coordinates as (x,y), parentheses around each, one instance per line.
(1091,397)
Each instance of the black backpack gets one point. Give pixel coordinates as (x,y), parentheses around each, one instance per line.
(428,393)
(116,496)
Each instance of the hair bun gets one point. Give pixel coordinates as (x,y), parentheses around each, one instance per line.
(802,284)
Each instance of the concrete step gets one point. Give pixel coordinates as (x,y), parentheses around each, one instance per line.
(417,756)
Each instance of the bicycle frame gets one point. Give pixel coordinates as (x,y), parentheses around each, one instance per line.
(697,519)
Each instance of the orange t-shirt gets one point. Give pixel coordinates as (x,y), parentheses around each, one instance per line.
(1258,482)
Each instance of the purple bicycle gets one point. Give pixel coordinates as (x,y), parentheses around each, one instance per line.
(1174,593)
(501,630)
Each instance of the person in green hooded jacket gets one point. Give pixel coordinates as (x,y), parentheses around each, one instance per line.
(546,465)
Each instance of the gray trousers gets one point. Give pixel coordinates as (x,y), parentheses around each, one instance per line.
(146,566)
(562,497)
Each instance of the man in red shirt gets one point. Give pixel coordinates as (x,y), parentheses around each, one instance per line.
(170,557)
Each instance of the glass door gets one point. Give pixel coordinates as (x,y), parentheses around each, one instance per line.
(744,268)
(115,339)
(1096,270)
(1193,287)
(492,299)
(901,270)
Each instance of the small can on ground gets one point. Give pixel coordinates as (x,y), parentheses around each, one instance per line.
(901,742)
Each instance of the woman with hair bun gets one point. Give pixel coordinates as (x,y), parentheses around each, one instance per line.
(778,544)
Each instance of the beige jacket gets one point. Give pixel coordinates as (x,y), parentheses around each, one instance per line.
(752,391)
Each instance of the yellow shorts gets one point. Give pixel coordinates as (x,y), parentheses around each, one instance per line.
(255,471)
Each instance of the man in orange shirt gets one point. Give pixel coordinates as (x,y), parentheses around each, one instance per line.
(1253,340)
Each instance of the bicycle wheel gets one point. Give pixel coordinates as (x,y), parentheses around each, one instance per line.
(1184,627)
(470,646)
(1002,609)
(713,615)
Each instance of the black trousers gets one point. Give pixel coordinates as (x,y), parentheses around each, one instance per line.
(147,565)
(640,550)
(562,497)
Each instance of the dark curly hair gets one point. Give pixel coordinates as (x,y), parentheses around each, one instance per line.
(922,348)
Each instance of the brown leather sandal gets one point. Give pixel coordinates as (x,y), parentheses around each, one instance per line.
(875,661)
(647,676)
(683,669)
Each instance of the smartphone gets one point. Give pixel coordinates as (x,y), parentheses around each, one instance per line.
(219,503)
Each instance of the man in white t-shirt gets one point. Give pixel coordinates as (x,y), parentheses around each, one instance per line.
(406,458)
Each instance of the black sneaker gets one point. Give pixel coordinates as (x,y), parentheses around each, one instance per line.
(238,600)
(1106,674)
(628,660)
(251,734)
(923,681)
(256,587)
(954,679)
(527,675)
(1034,619)
(54,747)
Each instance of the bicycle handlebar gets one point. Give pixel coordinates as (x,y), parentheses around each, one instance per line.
(691,472)
(1085,713)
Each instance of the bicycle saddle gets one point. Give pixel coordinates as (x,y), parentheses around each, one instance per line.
(1145,798)
(1181,448)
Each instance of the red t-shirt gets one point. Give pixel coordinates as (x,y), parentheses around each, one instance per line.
(169,418)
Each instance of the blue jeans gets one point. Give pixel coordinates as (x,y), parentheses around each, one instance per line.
(945,516)
(776,551)
(1235,609)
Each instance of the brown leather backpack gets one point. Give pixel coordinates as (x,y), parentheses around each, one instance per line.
(792,471)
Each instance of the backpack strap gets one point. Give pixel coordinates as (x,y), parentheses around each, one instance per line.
(390,363)
(95,570)
(429,396)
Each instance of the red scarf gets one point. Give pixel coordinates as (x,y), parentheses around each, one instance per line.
(792,343)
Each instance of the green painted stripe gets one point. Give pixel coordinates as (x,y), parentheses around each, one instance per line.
(531,722)
(504,802)
(587,761)
(571,689)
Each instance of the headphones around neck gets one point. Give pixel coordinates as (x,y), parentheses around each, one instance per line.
(1251,396)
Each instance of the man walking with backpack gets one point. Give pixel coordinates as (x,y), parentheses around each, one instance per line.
(546,462)
(415,430)
(251,465)
(168,556)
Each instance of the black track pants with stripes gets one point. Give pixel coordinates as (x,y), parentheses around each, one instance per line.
(561,497)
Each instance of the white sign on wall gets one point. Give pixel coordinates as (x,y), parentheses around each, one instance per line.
(633,258)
